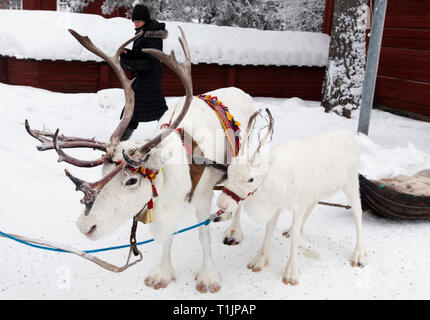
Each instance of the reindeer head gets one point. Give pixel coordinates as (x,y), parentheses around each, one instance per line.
(246,171)
(120,195)
(127,183)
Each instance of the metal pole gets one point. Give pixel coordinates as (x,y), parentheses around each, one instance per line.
(371,72)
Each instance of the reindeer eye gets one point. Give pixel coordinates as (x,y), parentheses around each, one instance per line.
(146,157)
(251,180)
(131,181)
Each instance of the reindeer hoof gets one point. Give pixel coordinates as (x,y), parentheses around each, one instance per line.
(207,283)
(157,284)
(291,275)
(258,263)
(159,279)
(203,288)
(290,281)
(230,241)
(254,268)
(359,260)
(232,237)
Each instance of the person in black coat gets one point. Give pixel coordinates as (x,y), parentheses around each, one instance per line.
(150,104)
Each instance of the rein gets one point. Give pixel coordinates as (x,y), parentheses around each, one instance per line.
(55,247)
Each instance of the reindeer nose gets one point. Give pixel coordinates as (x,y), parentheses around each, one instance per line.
(92,230)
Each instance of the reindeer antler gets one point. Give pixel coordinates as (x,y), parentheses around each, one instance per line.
(57,142)
(126,84)
(92,189)
(183,71)
(250,129)
(71,142)
(63,141)
(268,133)
(76,162)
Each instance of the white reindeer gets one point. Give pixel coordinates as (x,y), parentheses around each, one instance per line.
(295,175)
(121,194)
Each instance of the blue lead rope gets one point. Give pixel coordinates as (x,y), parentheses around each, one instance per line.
(204,223)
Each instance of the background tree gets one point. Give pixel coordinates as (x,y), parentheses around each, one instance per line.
(77,5)
(299,15)
(345,69)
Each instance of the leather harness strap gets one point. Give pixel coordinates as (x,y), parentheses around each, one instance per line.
(234,196)
(196,170)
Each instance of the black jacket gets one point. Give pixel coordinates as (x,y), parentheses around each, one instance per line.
(149,100)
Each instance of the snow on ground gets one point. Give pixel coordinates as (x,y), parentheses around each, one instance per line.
(43,35)
(39,201)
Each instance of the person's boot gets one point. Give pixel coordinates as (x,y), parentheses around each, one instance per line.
(127,134)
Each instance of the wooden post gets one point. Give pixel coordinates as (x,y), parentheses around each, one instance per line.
(328,16)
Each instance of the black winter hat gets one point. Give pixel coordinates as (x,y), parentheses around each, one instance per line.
(140,12)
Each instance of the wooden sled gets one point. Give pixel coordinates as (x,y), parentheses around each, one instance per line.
(385,201)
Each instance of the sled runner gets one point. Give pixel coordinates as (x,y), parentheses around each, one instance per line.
(385,199)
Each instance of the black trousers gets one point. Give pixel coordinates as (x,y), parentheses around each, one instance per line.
(133,125)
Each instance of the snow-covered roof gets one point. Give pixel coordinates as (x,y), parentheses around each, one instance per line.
(43,35)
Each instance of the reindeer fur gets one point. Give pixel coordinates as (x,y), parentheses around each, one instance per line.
(118,202)
(295,176)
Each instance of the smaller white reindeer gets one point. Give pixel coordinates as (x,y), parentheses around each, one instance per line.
(294,176)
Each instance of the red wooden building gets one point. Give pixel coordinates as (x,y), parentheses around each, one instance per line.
(403,83)
(77,76)
(93,7)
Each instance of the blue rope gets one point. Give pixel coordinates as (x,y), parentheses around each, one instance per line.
(205,223)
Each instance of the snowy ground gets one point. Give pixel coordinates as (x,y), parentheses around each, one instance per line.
(39,201)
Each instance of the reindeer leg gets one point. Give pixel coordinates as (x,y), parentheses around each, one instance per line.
(234,235)
(351,191)
(308,212)
(291,274)
(208,278)
(163,273)
(262,258)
